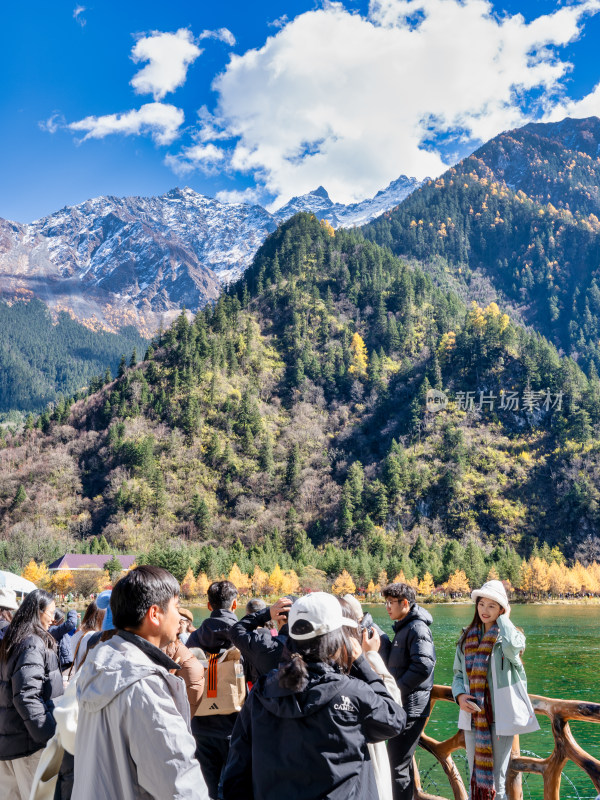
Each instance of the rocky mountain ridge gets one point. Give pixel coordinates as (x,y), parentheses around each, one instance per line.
(138,260)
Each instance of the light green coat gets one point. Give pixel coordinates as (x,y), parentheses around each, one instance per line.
(509,671)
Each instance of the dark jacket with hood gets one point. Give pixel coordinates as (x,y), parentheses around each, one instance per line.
(213,636)
(29,680)
(260,650)
(62,633)
(311,744)
(410,658)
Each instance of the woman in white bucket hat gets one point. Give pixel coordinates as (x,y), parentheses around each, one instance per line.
(490,687)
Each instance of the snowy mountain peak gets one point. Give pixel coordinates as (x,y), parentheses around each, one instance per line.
(134,260)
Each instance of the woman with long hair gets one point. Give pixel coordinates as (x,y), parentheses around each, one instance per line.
(304,729)
(29,680)
(490,688)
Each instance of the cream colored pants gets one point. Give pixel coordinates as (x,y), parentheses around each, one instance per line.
(16,776)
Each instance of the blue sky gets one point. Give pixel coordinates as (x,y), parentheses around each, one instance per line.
(261,101)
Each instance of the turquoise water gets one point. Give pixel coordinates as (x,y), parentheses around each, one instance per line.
(562,661)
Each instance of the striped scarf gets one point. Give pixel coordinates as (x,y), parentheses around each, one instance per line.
(478,650)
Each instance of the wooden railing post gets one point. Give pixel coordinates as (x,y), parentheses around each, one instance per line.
(514,780)
(550,768)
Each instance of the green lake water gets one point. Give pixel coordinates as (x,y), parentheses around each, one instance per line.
(562,660)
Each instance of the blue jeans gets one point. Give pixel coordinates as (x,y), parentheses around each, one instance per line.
(501,747)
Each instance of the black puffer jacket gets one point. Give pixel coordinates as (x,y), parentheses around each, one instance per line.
(260,650)
(29,681)
(311,744)
(411,659)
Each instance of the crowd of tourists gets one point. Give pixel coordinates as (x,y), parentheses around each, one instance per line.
(306,699)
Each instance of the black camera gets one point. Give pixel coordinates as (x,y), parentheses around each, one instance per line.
(366,624)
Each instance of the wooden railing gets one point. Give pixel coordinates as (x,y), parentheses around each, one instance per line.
(565,749)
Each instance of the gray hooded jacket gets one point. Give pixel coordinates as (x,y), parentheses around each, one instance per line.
(133,738)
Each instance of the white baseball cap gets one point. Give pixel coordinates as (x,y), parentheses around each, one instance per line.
(8,599)
(322,612)
(492,590)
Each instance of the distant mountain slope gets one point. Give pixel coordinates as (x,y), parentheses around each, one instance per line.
(138,260)
(521,211)
(41,361)
(292,413)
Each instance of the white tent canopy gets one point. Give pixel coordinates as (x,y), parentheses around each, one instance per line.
(16,582)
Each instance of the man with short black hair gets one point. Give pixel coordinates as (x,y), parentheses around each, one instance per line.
(133,736)
(213,733)
(411,659)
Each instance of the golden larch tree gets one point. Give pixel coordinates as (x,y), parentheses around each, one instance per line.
(360,358)
(343,584)
(426,586)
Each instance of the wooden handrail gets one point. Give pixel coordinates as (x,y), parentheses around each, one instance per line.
(566,749)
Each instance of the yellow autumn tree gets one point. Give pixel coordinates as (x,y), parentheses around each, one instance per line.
(188,584)
(457,583)
(493,575)
(360,359)
(291,582)
(371,589)
(536,577)
(104,581)
(62,581)
(202,584)
(557,580)
(343,584)
(276,580)
(260,581)
(36,573)
(241,581)
(400,577)
(426,586)
(382,579)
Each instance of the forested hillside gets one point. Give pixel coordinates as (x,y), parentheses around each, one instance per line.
(288,423)
(42,361)
(523,212)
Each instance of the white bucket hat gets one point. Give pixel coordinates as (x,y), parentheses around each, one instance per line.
(492,590)
(322,611)
(8,599)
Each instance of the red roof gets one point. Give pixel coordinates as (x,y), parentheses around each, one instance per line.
(88,561)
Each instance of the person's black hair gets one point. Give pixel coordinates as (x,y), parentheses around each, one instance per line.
(137,591)
(402,591)
(93,618)
(330,648)
(254,605)
(221,594)
(59,617)
(26,622)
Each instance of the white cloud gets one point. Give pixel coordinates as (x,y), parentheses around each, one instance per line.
(160,120)
(199,156)
(78,12)
(222,35)
(53,123)
(588,106)
(169,56)
(251,196)
(350,102)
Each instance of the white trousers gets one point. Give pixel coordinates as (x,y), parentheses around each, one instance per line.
(501,747)
(16,776)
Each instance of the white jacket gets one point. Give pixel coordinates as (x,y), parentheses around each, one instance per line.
(133,737)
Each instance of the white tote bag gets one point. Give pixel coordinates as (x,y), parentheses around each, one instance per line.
(513,711)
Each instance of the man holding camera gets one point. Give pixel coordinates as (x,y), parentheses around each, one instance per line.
(261,650)
(411,659)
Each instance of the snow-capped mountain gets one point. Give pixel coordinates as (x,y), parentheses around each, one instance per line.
(341,216)
(136,260)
